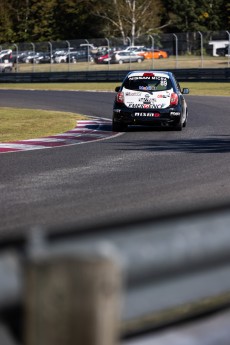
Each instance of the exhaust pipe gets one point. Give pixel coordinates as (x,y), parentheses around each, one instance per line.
(164,124)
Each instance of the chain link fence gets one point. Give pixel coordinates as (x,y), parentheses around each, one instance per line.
(184,50)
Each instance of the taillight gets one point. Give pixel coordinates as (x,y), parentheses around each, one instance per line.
(120,97)
(174,99)
(148,74)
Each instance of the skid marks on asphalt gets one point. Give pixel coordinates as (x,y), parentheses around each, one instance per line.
(85,131)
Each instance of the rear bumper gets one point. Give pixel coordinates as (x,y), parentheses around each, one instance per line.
(153,117)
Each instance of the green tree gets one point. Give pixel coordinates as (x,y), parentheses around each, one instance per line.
(196,15)
(74,20)
(131,18)
(19,13)
(6,25)
(41,20)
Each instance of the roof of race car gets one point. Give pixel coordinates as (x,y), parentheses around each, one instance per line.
(149,73)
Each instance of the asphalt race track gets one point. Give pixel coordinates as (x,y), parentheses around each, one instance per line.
(144,172)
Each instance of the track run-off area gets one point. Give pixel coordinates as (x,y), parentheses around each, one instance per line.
(85,131)
(143,172)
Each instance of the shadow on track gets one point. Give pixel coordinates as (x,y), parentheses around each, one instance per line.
(204,145)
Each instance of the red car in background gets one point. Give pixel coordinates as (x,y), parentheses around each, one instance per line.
(102,57)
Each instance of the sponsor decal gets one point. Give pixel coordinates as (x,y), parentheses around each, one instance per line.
(140,106)
(159,106)
(135,93)
(162,79)
(146,100)
(146,114)
(149,105)
(175,113)
(145,87)
(137,106)
(163,96)
(140,78)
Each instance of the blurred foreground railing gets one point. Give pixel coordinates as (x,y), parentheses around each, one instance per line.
(95,286)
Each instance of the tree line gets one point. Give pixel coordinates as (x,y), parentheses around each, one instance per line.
(45,20)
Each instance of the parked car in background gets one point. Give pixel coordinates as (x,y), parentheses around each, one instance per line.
(21,56)
(133,48)
(223,51)
(5,54)
(29,57)
(152,54)
(60,56)
(5,66)
(89,47)
(102,57)
(43,58)
(16,55)
(79,56)
(125,56)
(227,50)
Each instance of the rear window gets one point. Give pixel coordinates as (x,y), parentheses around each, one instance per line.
(153,83)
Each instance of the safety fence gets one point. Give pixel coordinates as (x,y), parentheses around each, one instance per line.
(105,284)
(185,50)
(196,75)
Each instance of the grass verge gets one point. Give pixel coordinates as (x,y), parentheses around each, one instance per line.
(21,124)
(200,89)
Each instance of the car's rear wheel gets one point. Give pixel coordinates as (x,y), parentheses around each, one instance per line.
(185,121)
(139,60)
(120,62)
(119,127)
(178,125)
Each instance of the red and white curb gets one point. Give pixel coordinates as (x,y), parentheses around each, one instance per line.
(85,131)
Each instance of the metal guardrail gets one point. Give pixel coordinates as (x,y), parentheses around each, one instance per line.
(161,271)
(193,74)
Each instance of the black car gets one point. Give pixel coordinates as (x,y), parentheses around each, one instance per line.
(79,56)
(152,98)
(42,58)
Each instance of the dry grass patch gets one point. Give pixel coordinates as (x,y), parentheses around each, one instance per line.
(21,124)
(196,88)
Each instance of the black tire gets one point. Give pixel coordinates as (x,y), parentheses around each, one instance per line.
(186,120)
(119,127)
(178,126)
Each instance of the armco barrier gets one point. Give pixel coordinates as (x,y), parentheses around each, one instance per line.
(121,279)
(195,74)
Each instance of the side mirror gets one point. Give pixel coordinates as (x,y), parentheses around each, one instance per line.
(185,91)
(117,88)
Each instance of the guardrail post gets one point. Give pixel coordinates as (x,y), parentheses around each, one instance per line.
(72,299)
(152,47)
(176,49)
(228,47)
(201,48)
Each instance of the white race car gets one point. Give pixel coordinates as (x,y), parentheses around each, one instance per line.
(152,98)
